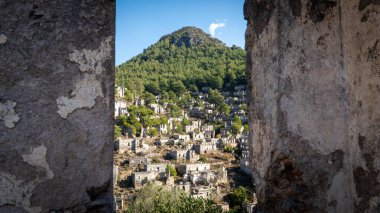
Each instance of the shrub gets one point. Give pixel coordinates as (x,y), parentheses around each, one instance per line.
(238,196)
(228,149)
(153,198)
(171,170)
(117,132)
(203,159)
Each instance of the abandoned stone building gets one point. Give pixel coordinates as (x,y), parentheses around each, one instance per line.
(139,179)
(136,161)
(202,148)
(188,167)
(206,176)
(125,144)
(203,191)
(245,156)
(120,107)
(182,155)
(313,99)
(197,136)
(183,138)
(155,167)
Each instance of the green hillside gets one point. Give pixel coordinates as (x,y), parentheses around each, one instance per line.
(185,60)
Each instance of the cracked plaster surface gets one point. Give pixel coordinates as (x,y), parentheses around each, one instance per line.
(8,114)
(87,87)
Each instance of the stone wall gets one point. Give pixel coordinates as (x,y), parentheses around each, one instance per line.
(314,93)
(56,105)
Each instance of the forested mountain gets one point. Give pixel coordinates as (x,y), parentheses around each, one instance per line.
(185,60)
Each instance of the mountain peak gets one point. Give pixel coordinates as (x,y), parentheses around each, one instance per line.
(190,36)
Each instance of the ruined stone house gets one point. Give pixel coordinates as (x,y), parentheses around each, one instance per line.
(125,144)
(184,155)
(197,136)
(120,107)
(155,167)
(140,179)
(185,137)
(136,161)
(245,155)
(202,148)
(203,191)
(188,167)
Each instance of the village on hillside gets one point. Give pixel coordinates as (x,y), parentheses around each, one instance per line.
(196,149)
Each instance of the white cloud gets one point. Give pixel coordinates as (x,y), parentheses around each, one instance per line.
(213,26)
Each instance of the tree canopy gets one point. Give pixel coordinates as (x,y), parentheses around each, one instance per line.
(185,60)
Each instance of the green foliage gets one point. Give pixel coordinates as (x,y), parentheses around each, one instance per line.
(238,196)
(215,97)
(174,110)
(129,122)
(163,120)
(153,198)
(236,125)
(178,87)
(203,159)
(179,128)
(140,111)
(153,132)
(134,129)
(172,97)
(152,87)
(128,96)
(143,113)
(164,97)
(228,149)
(117,131)
(156,160)
(185,101)
(191,60)
(185,122)
(246,128)
(171,170)
(132,121)
(149,98)
(243,107)
(224,109)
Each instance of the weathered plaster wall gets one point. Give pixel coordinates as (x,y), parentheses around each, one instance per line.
(314,69)
(56,105)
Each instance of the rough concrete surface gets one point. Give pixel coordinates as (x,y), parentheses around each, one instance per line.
(314,93)
(56,105)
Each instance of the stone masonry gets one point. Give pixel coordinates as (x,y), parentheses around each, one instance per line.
(314,93)
(56,105)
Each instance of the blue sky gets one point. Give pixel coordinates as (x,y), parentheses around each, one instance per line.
(140,23)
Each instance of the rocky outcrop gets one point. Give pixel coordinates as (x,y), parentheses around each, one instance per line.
(314,93)
(56,105)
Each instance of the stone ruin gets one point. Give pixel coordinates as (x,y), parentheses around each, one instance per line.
(314,97)
(56,105)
